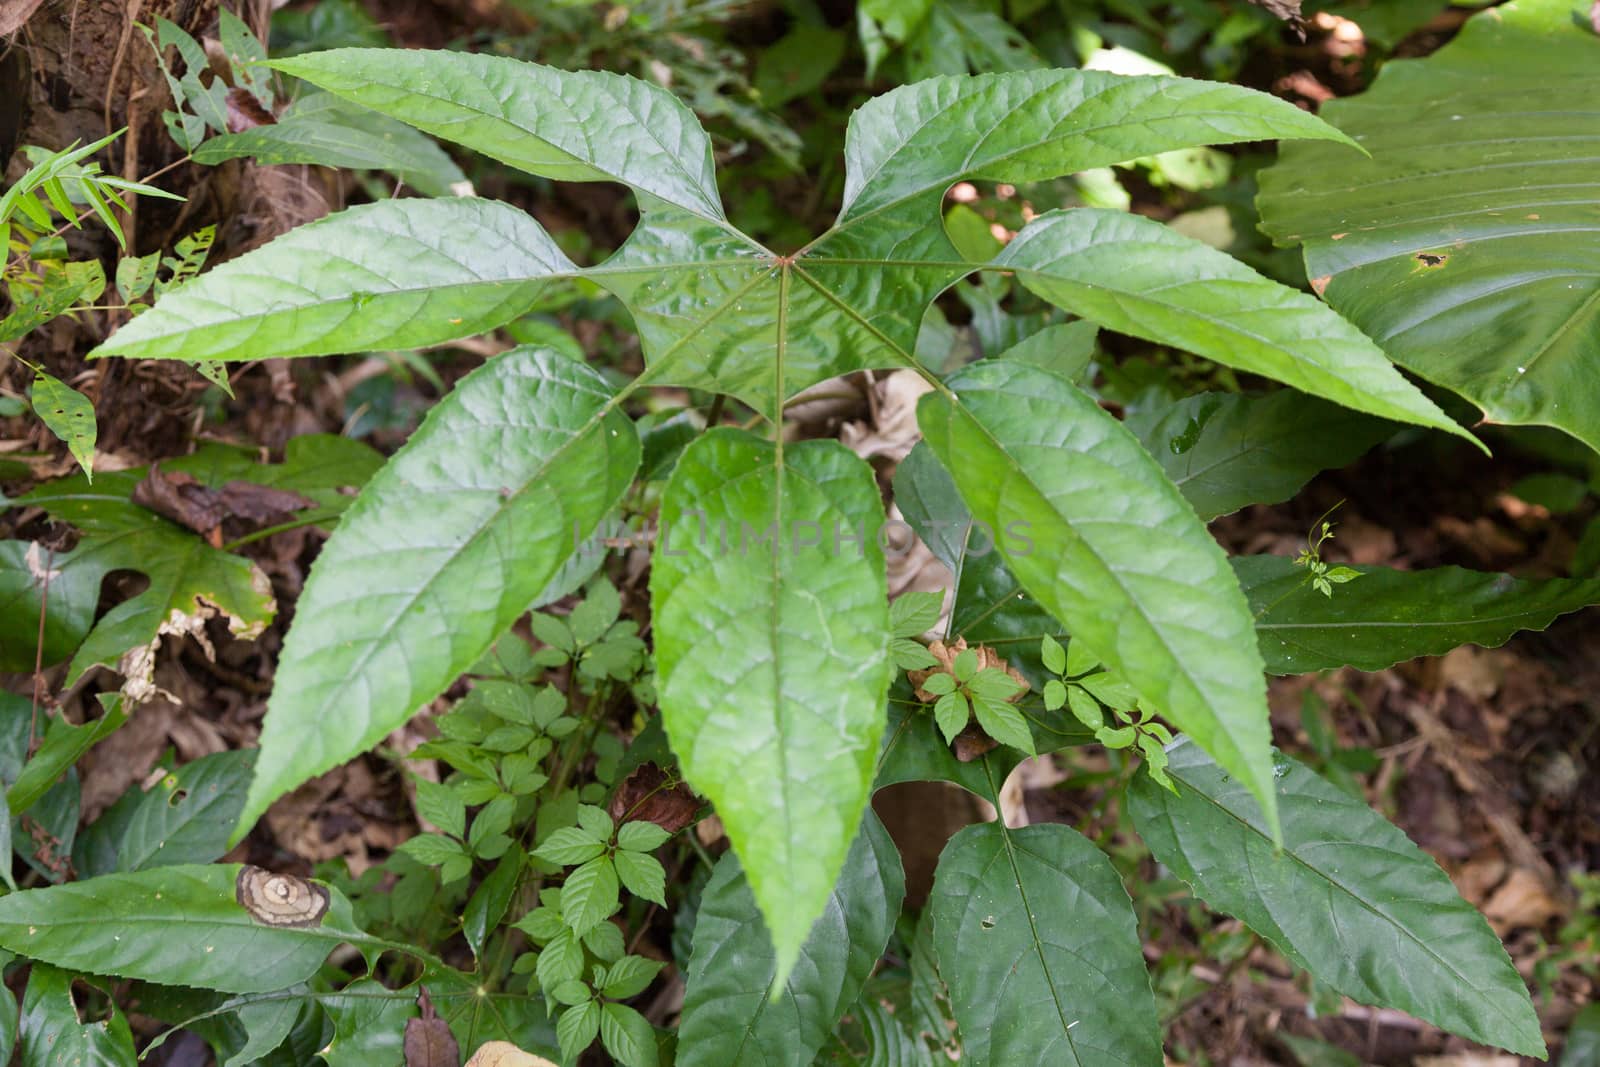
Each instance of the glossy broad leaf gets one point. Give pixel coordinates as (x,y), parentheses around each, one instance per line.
(772,636)
(442,550)
(1136,276)
(1226,450)
(1388,616)
(396,274)
(1464,244)
(174,925)
(1349,897)
(729,1019)
(1119,556)
(1037,942)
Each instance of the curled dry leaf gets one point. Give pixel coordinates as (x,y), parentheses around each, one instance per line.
(647,794)
(184,500)
(13,13)
(505,1054)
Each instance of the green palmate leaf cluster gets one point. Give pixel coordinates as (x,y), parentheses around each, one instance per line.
(774,649)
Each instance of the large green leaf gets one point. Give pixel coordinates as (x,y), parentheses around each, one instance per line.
(189,580)
(729,1019)
(1465,244)
(1136,276)
(396,274)
(1119,556)
(772,634)
(442,550)
(1387,616)
(1225,450)
(1348,897)
(175,925)
(1037,942)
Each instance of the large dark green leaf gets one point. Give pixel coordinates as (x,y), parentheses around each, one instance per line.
(1348,897)
(1138,277)
(174,925)
(396,274)
(771,644)
(729,1019)
(1118,555)
(1387,616)
(1224,451)
(1037,942)
(441,551)
(1465,244)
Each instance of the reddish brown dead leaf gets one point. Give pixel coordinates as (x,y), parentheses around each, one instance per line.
(184,500)
(245,112)
(649,795)
(429,1042)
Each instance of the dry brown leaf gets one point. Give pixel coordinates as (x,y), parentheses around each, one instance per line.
(13,13)
(429,1042)
(645,796)
(505,1054)
(1521,901)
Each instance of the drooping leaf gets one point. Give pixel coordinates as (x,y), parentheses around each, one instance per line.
(1388,616)
(396,274)
(772,633)
(1138,277)
(174,925)
(1349,897)
(68,414)
(440,552)
(185,817)
(1037,942)
(52,1033)
(1462,244)
(1224,450)
(1120,556)
(189,580)
(320,128)
(728,1019)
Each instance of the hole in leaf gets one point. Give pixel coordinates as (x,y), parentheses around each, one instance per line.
(987,922)
(90,1003)
(178,797)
